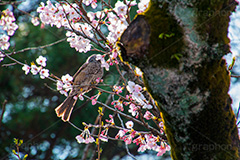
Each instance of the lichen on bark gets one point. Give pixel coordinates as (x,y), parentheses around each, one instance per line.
(186,75)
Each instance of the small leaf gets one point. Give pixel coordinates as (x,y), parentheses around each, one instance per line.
(20,142)
(161,35)
(14,152)
(15,140)
(25,157)
(97,141)
(99,109)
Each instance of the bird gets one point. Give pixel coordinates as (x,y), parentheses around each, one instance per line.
(83,81)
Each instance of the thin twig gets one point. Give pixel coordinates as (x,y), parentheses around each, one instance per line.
(10,64)
(126,146)
(126,116)
(40,47)
(235,76)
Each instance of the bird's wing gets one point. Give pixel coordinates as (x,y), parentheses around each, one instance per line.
(79,70)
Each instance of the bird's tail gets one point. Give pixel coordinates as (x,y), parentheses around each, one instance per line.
(64,110)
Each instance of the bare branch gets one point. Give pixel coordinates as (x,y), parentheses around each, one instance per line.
(40,47)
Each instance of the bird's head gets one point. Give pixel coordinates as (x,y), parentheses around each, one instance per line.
(92,58)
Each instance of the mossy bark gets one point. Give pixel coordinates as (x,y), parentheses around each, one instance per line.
(179,46)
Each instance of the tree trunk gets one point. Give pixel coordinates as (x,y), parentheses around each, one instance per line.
(179,46)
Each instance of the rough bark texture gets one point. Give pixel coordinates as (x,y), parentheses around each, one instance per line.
(179,47)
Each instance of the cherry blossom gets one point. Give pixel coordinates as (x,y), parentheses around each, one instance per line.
(117,89)
(95,98)
(78,42)
(104,64)
(7,22)
(143,5)
(148,115)
(120,8)
(103,135)
(111,121)
(35,21)
(131,3)
(162,149)
(66,83)
(138,72)
(121,134)
(4,42)
(67,78)
(85,137)
(35,69)
(114,20)
(129,137)
(61,89)
(92,2)
(133,109)
(116,27)
(41,61)
(44,73)
(26,68)
(1,56)
(118,104)
(132,87)
(129,124)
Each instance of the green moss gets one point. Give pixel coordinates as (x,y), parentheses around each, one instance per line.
(161,50)
(212,22)
(191,91)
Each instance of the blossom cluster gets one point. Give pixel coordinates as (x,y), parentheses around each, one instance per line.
(7,24)
(68,16)
(145,141)
(81,31)
(135,91)
(37,69)
(65,84)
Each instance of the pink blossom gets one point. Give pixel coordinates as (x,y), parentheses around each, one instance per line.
(95,98)
(85,137)
(103,135)
(132,87)
(81,97)
(120,134)
(117,89)
(139,140)
(133,109)
(118,104)
(91,16)
(111,120)
(148,115)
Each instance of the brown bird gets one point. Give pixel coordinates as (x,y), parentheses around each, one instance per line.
(83,81)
